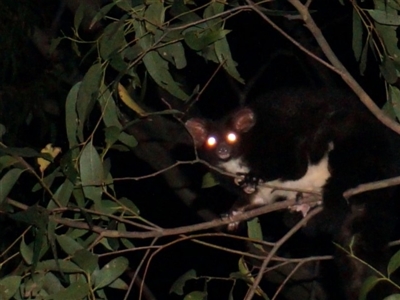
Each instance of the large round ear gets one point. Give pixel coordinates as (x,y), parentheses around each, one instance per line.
(243,120)
(197,129)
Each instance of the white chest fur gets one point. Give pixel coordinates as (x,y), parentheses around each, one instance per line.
(313,181)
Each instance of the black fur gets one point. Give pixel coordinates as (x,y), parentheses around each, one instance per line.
(296,128)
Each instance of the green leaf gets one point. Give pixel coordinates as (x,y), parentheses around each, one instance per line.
(39,245)
(363,59)
(388,70)
(254,231)
(119,284)
(117,62)
(75,291)
(357,35)
(393,297)
(367,286)
(26,252)
(51,284)
(223,53)
(7,182)
(112,40)
(244,270)
(384,17)
(24,152)
(79,15)
(67,165)
(389,37)
(79,197)
(102,13)
(179,284)
(35,215)
(112,134)
(105,243)
(62,195)
(86,260)
(154,16)
(175,54)
(394,97)
(91,169)
(156,65)
(211,10)
(7,161)
(196,295)
(180,10)
(394,263)
(71,116)
(76,233)
(132,208)
(124,5)
(389,111)
(9,286)
(200,39)
(110,272)
(209,181)
(127,243)
(48,180)
(68,244)
(87,95)
(52,265)
(110,117)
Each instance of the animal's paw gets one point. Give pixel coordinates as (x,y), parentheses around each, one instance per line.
(304,208)
(248,182)
(233,226)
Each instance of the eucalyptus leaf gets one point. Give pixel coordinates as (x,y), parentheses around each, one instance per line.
(119,284)
(110,272)
(179,284)
(175,54)
(7,161)
(91,169)
(394,263)
(9,286)
(62,194)
(154,16)
(384,17)
(51,283)
(52,265)
(87,95)
(75,291)
(68,244)
(196,295)
(113,39)
(156,65)
(71,116)
(388,70)
(7,182)
(86,260)
(367,286)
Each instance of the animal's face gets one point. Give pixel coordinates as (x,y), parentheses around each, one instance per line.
(219,141)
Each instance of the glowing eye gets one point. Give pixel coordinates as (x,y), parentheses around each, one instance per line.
(231,137)
(211,141)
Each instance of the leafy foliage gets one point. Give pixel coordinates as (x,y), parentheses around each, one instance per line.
(73,218)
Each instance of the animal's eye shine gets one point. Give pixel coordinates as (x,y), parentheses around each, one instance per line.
(231,137)
(211,141)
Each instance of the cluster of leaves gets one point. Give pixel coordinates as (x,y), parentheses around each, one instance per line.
(80,215)
(58,256)
(376,30)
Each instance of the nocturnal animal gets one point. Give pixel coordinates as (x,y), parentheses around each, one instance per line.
(316,140)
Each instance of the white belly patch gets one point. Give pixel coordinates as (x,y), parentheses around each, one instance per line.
(313,181)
